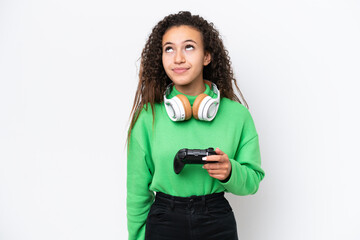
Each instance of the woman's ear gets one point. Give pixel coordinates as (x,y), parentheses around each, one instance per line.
(207,58)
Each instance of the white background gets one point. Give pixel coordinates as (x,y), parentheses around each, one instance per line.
(68,75)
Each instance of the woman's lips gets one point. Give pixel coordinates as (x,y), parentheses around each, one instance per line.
(180,70)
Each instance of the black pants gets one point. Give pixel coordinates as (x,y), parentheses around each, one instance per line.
(208,217)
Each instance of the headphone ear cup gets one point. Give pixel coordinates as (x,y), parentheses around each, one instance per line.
(196,105)
(186,105)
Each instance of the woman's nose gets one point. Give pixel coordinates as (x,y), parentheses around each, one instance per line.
(179,57)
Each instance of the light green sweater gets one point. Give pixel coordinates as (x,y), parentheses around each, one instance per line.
(151,154)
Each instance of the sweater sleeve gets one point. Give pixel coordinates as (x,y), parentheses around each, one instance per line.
(246,171)
(139,197)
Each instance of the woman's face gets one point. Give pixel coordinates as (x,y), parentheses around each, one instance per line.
(183,55)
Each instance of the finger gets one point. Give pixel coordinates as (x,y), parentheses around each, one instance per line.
(217,171)
(206,166)
(212,166)
(217,176)
(219,152)
(224,156)
(212,158)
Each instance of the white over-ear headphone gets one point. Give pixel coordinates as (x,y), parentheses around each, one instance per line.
(204,107)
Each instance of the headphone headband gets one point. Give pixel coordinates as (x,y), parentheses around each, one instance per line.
(210,84)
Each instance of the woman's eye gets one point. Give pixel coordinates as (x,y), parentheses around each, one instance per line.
(189,47)
(168,49)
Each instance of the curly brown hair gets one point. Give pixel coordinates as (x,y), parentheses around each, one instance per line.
(152,77)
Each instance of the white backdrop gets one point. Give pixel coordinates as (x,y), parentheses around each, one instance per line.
(68,74)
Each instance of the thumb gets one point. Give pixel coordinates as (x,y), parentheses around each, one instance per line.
(219,152)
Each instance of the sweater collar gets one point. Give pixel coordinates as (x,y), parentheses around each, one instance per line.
(175,92)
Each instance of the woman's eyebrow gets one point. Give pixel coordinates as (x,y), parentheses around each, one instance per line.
(189,40)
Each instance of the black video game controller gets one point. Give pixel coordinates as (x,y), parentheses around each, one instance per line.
(191,156)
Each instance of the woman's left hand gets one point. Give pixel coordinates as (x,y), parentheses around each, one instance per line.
(222,168)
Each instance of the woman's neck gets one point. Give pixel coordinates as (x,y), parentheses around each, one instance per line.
(192,89)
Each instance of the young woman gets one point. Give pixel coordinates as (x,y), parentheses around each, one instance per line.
(185,99)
